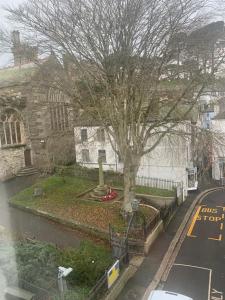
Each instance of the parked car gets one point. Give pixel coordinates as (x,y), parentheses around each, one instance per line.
(165,295)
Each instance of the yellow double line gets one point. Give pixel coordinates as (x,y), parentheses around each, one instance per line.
(193,223)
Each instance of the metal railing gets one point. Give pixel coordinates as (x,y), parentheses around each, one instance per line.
(117,178)
(101,286)
(157,183)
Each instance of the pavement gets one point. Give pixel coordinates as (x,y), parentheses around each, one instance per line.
(137,285)
(31,226)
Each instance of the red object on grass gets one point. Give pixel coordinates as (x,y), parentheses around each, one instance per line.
(110,196)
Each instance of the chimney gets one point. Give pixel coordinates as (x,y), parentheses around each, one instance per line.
(22,52)
(16,48)
(15,38)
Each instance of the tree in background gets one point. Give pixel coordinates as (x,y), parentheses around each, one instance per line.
(113,57)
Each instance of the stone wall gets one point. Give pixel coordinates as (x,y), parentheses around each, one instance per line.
(12,159)
(47,146)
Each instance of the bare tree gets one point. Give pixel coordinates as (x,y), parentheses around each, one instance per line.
(117,53)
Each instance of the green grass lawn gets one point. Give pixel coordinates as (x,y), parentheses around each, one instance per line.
(60,198)
(59,190)
(154,191)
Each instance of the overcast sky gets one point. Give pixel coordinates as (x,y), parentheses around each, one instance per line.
(6,59)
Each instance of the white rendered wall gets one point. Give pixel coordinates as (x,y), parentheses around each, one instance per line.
(168,160)
(218,127)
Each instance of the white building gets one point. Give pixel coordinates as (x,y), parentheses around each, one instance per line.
(218,159)
(170,160)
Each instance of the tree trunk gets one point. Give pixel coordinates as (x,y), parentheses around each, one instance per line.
(130,173)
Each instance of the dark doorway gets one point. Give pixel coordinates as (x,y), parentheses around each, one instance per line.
(27,157)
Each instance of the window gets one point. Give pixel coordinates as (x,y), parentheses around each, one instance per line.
(11,128)
(119,158)
(85,155)
(59,117)
(83,134)
(221,161)
(101,135)
(102,155)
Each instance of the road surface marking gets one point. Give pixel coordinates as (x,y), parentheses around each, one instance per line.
(223,207)
(193,222)
(196,267)
(209,210)
(222,216)
(209,218)
(221,226)
(216,239)
(216,295)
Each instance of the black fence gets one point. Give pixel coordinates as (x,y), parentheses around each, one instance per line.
(158,183)
(101,286)
(150,226)
(114,178)
(131,240)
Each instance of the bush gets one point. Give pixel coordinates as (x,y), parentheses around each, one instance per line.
(76,294)
(37,263)
(89,263)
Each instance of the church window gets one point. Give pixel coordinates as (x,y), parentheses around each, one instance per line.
(11,128)
(59,117)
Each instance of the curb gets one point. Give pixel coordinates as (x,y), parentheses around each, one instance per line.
(167,257)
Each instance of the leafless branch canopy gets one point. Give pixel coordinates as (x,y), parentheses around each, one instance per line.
(116,57)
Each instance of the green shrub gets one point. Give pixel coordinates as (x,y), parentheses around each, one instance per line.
(89,263)
(37,263)
(76,294)
(32,262)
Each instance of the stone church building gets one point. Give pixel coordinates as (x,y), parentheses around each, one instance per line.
(36,122)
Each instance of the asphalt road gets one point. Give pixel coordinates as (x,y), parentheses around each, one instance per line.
(199,268)
(28,225)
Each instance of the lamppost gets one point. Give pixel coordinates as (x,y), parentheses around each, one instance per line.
(62,274)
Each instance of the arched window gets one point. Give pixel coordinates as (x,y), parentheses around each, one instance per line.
(59,110)
(11,128)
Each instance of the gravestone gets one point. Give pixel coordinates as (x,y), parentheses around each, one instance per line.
(38,192)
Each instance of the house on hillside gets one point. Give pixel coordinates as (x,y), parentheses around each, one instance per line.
(211,119)
(35,120)
(218,159)
(171,160)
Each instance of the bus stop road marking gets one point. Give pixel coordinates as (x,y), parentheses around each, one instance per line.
(193,222)
(223,207)
(216,239)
